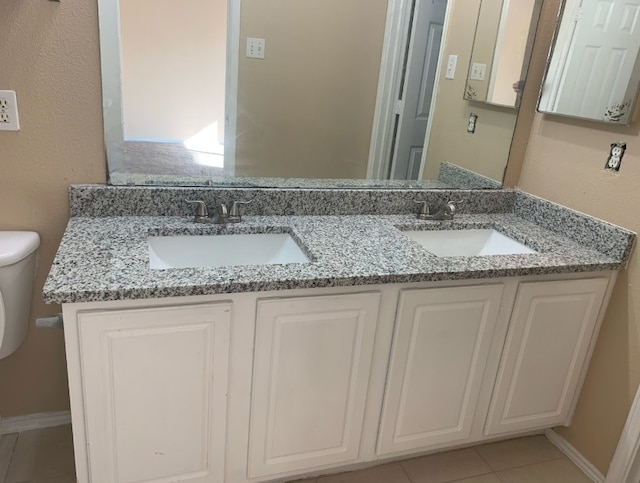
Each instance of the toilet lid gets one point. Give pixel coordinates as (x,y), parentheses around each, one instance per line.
(17,245)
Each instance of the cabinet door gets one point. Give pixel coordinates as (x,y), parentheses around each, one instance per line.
(310,378)
(155,384)
(440,349)
(551,328)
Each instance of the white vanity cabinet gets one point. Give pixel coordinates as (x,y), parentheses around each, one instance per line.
(440,351)
(155,383)
(311,367)
(550,333)
(272,386)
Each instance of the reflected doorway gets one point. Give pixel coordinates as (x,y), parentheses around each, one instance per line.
(173,62)
(407,84)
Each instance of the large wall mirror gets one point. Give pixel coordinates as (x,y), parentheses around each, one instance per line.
(593,71)
(284,92)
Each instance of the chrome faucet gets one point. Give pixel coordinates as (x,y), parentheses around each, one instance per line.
(222,217)
(445,212)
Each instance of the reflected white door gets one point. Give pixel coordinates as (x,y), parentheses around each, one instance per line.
(601,59)
(418,86)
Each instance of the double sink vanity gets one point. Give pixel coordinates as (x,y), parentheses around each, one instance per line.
(328,330)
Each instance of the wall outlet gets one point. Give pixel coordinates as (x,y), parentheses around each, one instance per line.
(9,120)
(471,124)
(615,156)
(255,48)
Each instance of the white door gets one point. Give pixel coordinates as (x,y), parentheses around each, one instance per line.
(310,378)
(440,349)
(155,383)
(601,59)
(418,87)
(551,328)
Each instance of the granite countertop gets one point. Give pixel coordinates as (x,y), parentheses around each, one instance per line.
(106,258)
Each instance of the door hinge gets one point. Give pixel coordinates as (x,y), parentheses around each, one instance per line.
(399,106)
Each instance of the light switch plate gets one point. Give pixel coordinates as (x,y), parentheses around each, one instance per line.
(255,48)
(451,67)
(478,71)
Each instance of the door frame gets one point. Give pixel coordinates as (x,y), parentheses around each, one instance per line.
(234,11)
(625,465)
(388,106)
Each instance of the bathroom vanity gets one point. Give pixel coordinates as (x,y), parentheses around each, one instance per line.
(374,349)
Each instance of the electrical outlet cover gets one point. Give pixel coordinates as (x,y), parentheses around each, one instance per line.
(9,111)
(615,156)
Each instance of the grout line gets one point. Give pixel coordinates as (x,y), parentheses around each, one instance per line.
(498,477)
(11,453)
(404,471)
(475,448)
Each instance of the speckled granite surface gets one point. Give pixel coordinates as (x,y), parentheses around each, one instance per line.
(102,200)
(137,179)
(453,175)
(106,258)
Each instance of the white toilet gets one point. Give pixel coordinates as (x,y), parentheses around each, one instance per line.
(17,270)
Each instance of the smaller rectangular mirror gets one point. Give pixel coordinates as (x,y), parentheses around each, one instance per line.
(501,51)
(593,69)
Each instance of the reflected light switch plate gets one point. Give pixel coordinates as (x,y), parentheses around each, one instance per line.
(451,67)
(255,48)
(478,71)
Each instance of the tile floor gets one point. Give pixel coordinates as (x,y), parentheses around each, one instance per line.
(46,456)
(38,456)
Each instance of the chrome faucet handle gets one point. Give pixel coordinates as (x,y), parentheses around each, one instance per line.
(452,206)
(423,212)
(202,213)
(234,212)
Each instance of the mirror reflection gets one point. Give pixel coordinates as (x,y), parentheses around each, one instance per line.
(501,51)
(264,92)
(593,70)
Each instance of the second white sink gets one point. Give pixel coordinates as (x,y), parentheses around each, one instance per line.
(193,251)
(467,243)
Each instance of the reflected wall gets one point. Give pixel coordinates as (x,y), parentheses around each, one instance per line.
(306,110)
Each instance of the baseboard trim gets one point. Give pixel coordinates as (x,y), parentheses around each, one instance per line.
(575,456)
(17,424)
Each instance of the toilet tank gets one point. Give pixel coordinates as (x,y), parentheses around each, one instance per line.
(17,270)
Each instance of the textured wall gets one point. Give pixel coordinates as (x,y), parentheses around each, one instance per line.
(307,109)
(565,163)
(173,67)
(49,56)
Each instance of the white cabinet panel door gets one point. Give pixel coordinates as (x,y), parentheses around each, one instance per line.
(155,383)
(440,349)
(310,378)
(548,340)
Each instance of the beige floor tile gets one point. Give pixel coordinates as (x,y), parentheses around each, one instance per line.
(391,473)
(304,481)
(556,471)
(518,452)
(443,467)
(7,443)
(41,454)
(490,478)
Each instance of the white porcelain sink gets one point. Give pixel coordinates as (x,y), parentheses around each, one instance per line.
(467,243)
(191,251)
